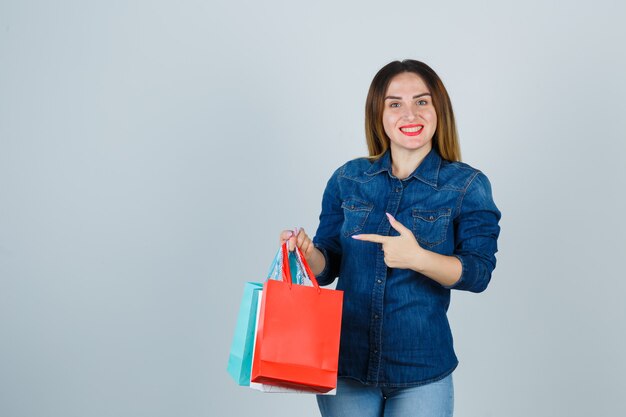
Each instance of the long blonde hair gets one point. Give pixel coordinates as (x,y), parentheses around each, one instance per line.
(445,140)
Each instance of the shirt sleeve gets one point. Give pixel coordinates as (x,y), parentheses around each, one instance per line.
(476,235)
(327,238)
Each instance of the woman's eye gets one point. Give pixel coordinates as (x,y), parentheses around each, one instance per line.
(422,102)
(394,105)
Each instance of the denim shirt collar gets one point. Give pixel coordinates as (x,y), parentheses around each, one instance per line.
(427,171)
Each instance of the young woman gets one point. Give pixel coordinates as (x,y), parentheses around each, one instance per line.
(400,229)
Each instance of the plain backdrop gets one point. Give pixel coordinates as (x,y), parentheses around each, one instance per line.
(151,151)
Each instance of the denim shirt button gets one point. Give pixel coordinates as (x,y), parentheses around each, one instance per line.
(380,281)
(375,316)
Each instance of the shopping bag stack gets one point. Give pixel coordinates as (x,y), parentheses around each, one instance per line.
(287,334)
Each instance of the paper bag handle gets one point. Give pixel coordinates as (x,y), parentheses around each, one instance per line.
(305,264)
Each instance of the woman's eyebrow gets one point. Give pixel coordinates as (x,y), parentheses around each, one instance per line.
(400,98)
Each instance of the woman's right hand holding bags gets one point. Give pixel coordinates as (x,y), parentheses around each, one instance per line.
(299,238)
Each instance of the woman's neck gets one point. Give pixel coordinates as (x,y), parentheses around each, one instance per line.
(404,161)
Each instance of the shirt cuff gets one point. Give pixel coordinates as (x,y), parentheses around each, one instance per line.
(474,276)
(322,278)
(460,281)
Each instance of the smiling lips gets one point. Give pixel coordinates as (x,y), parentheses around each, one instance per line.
(411,130)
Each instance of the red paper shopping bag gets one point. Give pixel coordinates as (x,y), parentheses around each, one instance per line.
(297,344)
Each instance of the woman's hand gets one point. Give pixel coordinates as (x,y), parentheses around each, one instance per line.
(400,251)
(299,238)
(405,253)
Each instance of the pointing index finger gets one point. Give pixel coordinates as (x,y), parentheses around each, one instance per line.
(371,238)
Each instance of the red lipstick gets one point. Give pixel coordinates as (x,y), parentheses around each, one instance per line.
(411,130)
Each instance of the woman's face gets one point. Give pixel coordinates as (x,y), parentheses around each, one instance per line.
(409,117)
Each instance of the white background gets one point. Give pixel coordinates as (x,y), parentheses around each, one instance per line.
(151,151)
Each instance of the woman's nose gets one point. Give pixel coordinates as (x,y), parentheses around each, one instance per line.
(410,113)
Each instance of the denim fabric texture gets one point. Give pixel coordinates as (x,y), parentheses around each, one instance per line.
(395,331)
(354,399)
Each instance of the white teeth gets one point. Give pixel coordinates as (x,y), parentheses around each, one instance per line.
(411,129)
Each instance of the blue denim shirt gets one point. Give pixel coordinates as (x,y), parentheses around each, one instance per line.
(395,331)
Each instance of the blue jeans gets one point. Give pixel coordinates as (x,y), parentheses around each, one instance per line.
(354,399)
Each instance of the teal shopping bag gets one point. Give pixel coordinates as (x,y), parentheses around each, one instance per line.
(240,359)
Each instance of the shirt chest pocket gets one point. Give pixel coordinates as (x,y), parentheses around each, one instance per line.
(431,226)
(355,214)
